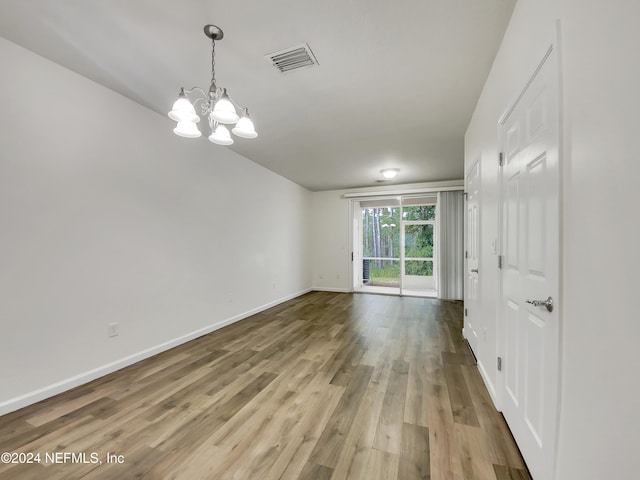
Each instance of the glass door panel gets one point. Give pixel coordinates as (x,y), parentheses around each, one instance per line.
(381,247)
(418,262)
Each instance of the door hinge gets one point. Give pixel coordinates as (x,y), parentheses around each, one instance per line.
(501,159)
(499,364)
(466,312)
(466,254)
(352,256)
(500,262)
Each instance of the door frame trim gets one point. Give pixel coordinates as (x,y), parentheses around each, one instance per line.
(476,164)
(500,347)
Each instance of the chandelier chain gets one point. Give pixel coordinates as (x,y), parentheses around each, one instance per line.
(213,63)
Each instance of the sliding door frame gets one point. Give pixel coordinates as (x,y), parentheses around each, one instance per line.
(356,239)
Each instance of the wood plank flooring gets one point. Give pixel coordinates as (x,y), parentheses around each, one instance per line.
(325,386)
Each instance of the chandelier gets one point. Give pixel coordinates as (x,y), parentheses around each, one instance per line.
(216,106)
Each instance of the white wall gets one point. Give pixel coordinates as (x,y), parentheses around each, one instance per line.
(107,216)
(331,247)
(601,391)
(599,418)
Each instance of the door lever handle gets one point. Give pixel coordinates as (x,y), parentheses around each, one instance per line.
(548,303)
(474,270)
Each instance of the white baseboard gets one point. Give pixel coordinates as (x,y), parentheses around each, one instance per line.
(329,289)
(489,384)
(85,377)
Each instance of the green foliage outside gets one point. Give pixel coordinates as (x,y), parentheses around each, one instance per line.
(388,275)
(424,268)
(418,240)
(420,212)
(381,239)
(381,232)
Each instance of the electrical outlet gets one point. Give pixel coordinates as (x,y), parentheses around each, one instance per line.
(113,329)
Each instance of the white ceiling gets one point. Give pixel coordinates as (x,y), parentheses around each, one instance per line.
(396,86)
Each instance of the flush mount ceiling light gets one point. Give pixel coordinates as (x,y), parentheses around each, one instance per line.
(216,106)
(389,173)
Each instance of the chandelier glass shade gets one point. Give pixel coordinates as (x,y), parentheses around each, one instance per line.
(187,130)
(183,110)
(224,111)
(244,128)
(221,136)
(216,106)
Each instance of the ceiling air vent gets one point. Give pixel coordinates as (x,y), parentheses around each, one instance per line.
(293,58)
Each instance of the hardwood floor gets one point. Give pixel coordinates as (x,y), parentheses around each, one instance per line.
(326,386)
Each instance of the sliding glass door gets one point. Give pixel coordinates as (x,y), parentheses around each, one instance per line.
(397,251)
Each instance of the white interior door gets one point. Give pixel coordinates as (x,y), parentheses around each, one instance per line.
(472,251)
(530,271)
